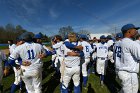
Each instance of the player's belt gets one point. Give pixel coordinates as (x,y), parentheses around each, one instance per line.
(71,67)
(102,58)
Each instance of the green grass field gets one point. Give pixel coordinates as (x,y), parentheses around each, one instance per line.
(3,47)
(51,83)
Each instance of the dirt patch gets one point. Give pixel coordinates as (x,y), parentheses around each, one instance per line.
(6,51)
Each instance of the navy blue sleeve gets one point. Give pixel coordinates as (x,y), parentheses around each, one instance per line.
(92,46)
(69,45)
(12,62)
(20,61)
(53,52)
(81,53)
(48,53)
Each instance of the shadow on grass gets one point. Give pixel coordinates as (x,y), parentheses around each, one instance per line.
(50,85)
(110,79)
(90,89)
(53,82)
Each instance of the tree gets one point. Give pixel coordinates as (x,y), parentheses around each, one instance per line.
(63,31)
(18,28)
(10,28)
(84,32)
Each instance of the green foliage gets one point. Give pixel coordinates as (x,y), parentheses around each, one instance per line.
(10,32)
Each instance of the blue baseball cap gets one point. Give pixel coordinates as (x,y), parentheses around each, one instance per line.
(38,36)
(102,37)
(109,37)
(129,26)
(119,35)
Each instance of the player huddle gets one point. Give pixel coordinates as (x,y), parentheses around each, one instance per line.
(74,56)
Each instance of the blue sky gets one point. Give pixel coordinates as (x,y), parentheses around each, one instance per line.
(47,16)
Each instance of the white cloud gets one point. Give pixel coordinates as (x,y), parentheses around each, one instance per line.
(53,11)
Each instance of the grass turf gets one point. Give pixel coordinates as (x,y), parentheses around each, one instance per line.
(51,83)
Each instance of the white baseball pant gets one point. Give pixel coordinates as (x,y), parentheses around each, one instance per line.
(74,73)
(101,66)
(32,79)
(129,82)
(84,66)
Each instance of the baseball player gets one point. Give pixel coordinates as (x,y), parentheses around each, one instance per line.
(110,42)
(29,52)
(87,50)
(117,51)
(130,56)
(72,65)
(18,80)
(59,52)
(6,69)
(94,55)
(12,46)
(38,39)
(102,53)
(53,54)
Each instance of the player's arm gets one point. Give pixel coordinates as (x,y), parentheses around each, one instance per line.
(57,45)
(135,51)
(71,46)
(13,57)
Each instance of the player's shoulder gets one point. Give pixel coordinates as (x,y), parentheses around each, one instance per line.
(106,44)
(37,45)
(126,42)
(13,46)
(98,44)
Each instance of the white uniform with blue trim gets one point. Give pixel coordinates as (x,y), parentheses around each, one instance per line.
(17,72)
(94,55)
(117,54)
(11,48)
(87,51)
(31,74)
(72,68)
(102,53)
(59,53)
(129,65)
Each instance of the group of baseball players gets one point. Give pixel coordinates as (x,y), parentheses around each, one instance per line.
(74,56)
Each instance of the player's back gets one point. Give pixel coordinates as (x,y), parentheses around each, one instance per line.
(87,49)
(71,61)
(29,52)
(59,48)
(130,55)
(117,54)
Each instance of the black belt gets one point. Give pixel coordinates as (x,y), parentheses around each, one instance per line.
(71,67)
(102,58)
